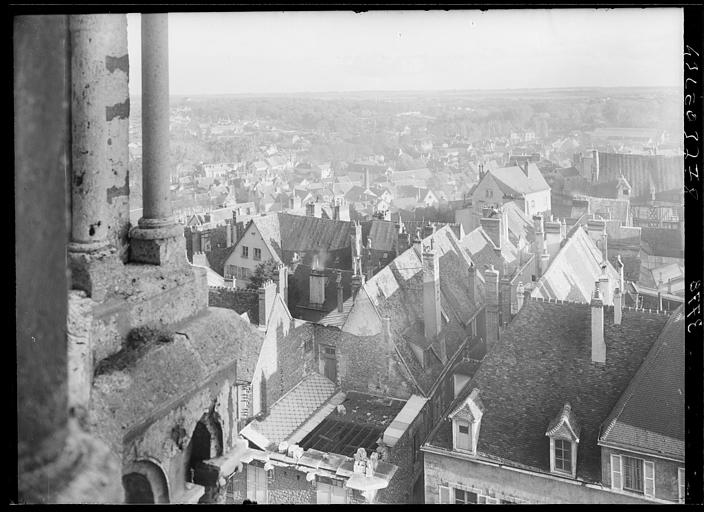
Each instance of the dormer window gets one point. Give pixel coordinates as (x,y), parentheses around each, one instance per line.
(466,421)
(563,432)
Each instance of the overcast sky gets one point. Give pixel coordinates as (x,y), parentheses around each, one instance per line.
(271,52)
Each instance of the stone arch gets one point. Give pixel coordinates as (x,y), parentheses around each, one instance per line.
(145,482)
(206,441)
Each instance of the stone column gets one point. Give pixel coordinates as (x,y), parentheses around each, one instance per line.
(57,462)
(158,239)
(99,129)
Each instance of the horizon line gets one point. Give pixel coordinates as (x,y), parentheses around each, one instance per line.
(378,91)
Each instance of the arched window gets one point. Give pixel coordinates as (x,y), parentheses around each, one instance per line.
(145,482)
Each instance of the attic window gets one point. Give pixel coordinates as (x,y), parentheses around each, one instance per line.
(563,432)
(466,421)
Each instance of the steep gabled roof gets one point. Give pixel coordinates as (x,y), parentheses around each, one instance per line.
(634,422)
(382,233)
(574,270)
(397,292)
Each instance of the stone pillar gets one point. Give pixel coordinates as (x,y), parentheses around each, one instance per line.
(99,128)
(157,239)
(56,461)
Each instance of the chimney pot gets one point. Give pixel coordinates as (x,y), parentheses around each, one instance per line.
(597,327)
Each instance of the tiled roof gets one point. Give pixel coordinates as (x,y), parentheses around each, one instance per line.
(542,361)
(662,242)
(292,410)
(634,422)
(514,181)
(574,270)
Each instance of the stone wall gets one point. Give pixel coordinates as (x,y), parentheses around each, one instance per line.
(289,486)
(241,301)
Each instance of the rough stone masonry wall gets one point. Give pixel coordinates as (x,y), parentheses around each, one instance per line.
(291,487)
(241,301)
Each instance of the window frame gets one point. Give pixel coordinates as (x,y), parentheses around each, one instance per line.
(257,256)
(565,450)
(641,480)
(245,252)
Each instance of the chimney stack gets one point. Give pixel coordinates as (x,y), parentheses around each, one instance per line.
(605,285)
(597,232)
(492,226)
(267,292)
(472,284)
(335,211)
(283,282)
(340,299)
(520,290)
(543,262)
(539,241)
(553,237)
(357,278)
(228,234)
(595,166)
(621,283)
(598,345)
(317,285)
(431,291)
(491,283)
(618,306)
(505,301)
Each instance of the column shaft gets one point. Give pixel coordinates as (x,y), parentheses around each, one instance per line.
(155,118)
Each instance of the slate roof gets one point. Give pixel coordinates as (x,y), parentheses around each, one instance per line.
(298,233)
(512,180)
(299,292)
(383,234)
(662,242)
(397,292)
(542,361)
(634,422)
(574,270)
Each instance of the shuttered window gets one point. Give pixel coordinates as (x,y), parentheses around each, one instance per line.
(444,493)
(680,484)
(465,497)
(616,473)
(649,479)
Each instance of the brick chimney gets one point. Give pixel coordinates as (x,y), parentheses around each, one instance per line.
(597,332)
(505,300)
(267,292)
(618,306)
(228,235)
(404,241)
(335,211)
(491,284)
(317,284)
(340,295)
(621,282)
(431,291)
(553,237)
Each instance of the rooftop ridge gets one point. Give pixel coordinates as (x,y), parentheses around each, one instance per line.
(606,307)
